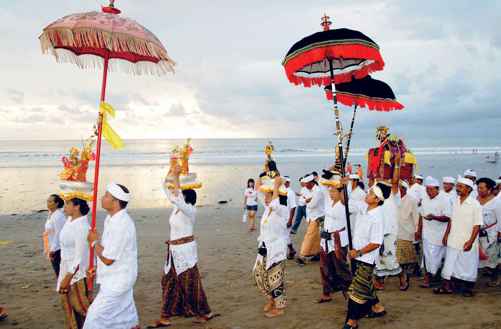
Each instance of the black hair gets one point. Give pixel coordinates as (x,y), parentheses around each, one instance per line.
(272,165)
(283,200)
(300,178)
(82,204)
(488,182)
(385,189)
(58,200)
(190,196)
(361,185)
(251,180)
(327,174)
(123,204)
(314,173)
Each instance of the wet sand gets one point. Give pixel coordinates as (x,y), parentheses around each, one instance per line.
(227,254)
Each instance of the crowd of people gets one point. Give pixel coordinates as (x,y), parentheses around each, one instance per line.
(445,231)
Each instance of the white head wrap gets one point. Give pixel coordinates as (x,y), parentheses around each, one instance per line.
(418,177)
(470,172)
(465,181)
(287,179)
(354,176)
(117,192)
(498,181)
(449,180)
(430,181)
(404,184)
(308,178)
(377,192)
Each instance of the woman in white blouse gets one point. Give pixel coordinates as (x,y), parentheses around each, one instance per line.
(71,283)
(250,203)
(53,226)
(269,269)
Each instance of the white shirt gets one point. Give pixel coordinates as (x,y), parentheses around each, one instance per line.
(250,197)
(335,220)
(53,226)
(369,229)
(491,213)
(408,217)
(464,217)
(181,221)
(273,232)
(291,200)
(390,213)
(315,208)
(418,192)
(452,195)
(74,249)
(433,230)
(357,194)
(303,195)
(120,245)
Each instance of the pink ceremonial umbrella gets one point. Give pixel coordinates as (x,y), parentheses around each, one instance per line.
(105,38)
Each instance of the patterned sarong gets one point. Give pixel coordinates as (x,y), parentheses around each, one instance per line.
(406,253)
(183,294)
(271,282)
(75,305)
(311,241)
(361,289)
(335,273)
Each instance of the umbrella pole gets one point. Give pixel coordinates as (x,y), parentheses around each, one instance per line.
(350,134)
(90,280)
(339,134)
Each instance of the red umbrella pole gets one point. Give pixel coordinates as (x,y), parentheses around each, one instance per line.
(90,281)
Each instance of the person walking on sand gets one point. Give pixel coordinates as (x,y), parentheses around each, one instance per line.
(53,226)
(303,194)
(250,204)
(291,208)
(116,251)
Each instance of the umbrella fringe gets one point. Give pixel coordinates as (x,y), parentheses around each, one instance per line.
(54,38)
(372,104)
(115,65)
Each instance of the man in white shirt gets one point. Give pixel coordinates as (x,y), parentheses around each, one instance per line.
(367,239)
(448,188)
(303,194)
(291,208)
(354,190)
(417,190)
(433,219)
(461,239)
(113,307)
(315,211)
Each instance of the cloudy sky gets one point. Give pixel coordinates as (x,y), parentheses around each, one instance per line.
(442,60)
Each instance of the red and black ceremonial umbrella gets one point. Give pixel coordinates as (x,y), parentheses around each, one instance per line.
(369,93)
(329,58)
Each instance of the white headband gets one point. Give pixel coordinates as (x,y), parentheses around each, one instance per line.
(449,180)
(404,184)
(465,181)
(117,192)
(307,179)
(377,192)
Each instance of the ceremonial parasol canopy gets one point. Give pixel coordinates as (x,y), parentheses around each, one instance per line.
(373,94)
(114,42)
(344,53)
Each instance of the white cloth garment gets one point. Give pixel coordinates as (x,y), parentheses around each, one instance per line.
(433,256)
(417,191)
(114,306)
(369,229)
(408,218)
(303,195)
(390,213)
(433,230)
(291,199)
(387,263)
(273,233)
(53,226)
(357,194)
(315,208)
(451,196)
(112,310)
(74,249)
(491,213)
(250,197)
(461,264)
(465,216)
(181,222)
(335,220)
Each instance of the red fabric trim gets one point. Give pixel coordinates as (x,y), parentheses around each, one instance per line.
(372,104)
(102,52)
(335,51)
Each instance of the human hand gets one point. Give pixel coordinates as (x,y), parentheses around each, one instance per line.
(92,236)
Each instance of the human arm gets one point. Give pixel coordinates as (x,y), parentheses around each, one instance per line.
(395,180)
(93,239)
(446,234)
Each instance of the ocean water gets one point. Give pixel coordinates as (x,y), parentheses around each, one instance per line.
(28,169)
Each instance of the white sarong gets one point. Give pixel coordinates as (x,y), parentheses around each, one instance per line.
(433,256)
(461,264)
(111,310)
(387,263)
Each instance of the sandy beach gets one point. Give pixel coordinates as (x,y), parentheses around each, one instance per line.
(227,254)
